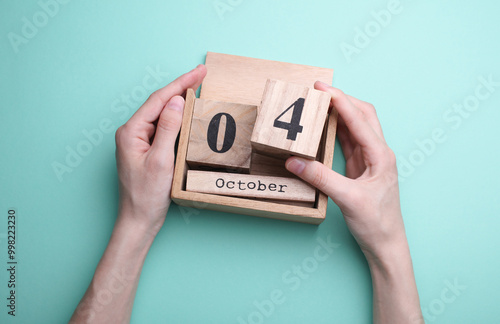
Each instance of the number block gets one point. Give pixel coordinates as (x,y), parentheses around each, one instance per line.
(290,120)
(220,135)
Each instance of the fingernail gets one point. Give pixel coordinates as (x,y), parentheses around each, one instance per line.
(295,165)
(176,103)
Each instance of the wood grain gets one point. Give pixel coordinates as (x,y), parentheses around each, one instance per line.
(253,186)
(237,157)
(181,167)
(277,99)
(269,166)
(242,79)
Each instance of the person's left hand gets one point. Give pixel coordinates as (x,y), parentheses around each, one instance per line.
(145,153)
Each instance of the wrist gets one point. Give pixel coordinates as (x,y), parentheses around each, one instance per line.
(384,238)
(386,253)
(390,261)
(138,234)
(394,288)
(144,220)
(128,247)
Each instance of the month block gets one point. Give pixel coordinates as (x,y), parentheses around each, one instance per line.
(251,186)
(290,120)
(220,135)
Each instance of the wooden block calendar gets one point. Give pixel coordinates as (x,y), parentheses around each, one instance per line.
(240,82)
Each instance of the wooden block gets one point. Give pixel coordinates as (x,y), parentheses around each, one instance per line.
(242,79)
(269,166)
(245,185)
(290,120)
(220,135)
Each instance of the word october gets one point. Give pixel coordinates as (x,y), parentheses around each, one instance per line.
(247,185)
(220,183)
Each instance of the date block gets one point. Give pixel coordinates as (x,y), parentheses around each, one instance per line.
(290,120)
(220,135)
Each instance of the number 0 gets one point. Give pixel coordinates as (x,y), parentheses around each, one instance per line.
(229,134)
(293,126)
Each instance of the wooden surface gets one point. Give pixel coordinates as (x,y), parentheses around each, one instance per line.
(269,166)
(245,185)
(242,79)
(251,207)
(304,110)
(220,135)
(327,146)
(181,167)
(309,204)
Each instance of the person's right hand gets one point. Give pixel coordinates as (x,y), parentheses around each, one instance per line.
(369,195)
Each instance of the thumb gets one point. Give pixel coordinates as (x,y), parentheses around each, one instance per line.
(167,129)
(318,175)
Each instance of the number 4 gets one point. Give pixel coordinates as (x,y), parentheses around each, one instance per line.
(293,126)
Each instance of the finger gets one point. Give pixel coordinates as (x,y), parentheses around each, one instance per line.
(168,128)
(355,120)
(151,109)
(318,175)
(349,137)
(344,139)
(370,113)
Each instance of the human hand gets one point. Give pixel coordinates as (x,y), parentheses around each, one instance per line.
(369,195)
(145,153)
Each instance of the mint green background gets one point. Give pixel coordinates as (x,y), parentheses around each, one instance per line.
(212,267)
